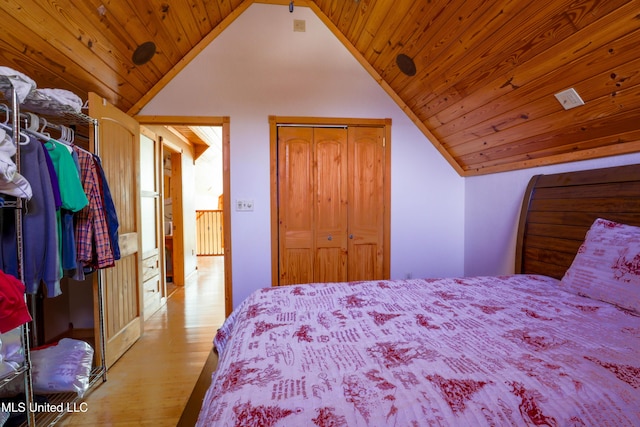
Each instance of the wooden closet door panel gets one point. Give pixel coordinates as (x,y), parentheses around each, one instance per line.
(331,204)
(295,198)
(366,203)
(119,151)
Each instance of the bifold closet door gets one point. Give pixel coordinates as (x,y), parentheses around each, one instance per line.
(366,203)
(330,204)
(312,205)
(331,201)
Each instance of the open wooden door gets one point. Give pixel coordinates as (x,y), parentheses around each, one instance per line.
(119,150)
(152,249)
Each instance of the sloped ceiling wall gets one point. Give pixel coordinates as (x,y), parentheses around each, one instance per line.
(485,72)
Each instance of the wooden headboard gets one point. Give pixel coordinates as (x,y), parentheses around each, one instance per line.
(557,211)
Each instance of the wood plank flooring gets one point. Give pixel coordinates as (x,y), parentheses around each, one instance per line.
(151,383)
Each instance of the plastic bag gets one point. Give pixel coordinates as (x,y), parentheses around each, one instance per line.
(65,367)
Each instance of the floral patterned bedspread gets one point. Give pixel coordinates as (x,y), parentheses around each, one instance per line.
(483,351)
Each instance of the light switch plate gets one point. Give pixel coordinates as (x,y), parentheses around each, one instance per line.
(244,205)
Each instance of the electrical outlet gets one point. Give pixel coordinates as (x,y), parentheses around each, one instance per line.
(244,205)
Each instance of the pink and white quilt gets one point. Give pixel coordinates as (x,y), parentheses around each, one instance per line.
(484,351)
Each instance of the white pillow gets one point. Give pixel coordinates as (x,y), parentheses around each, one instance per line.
(65,367)
(607,265)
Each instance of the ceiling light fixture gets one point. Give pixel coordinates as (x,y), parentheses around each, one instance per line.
(144,53)
(406,65)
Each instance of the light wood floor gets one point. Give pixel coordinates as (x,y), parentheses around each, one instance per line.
(151,383)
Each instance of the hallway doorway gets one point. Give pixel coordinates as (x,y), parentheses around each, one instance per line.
(209,194)
(200,188)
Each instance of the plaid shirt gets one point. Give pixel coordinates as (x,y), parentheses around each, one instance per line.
(92,234)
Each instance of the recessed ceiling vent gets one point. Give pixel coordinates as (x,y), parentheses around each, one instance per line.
(144,53)
(406,65)
(299,25)
(569,99)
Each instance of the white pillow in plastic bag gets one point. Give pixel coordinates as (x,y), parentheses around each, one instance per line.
(11,352)
(65,367)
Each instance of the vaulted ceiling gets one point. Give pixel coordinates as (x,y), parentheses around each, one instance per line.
(477,77)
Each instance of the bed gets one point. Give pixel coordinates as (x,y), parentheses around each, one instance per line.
(557,344)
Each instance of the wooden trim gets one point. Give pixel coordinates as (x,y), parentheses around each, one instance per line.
(172,146)
(285,2)
(594,153)
(148,133)
(177,191)
(175,132)
(226,214)
(387,88)
(273,166)
(319,121)
(182,120)
(387,198)
(193,53)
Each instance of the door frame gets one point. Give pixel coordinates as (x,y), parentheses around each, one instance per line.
(274,122)
(225,123)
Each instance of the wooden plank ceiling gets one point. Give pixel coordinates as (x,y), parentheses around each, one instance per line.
(482,89)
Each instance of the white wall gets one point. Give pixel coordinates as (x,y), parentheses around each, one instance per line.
(208,175)
(188,216)
(492,210)
(259,67)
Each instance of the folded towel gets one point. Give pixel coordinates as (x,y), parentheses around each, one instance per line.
(22,84)
(64,97)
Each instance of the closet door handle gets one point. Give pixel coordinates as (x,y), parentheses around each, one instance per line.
(351,236)
(329,237)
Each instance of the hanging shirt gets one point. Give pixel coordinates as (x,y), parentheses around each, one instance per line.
(110,208)
(39,227)
(54,179)
(93,243)
(72,193)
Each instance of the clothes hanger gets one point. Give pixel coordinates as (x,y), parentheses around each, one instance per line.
(23,138)
(5,124)
(31,125)
(44,126)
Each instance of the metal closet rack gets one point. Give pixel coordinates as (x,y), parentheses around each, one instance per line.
(38,103)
